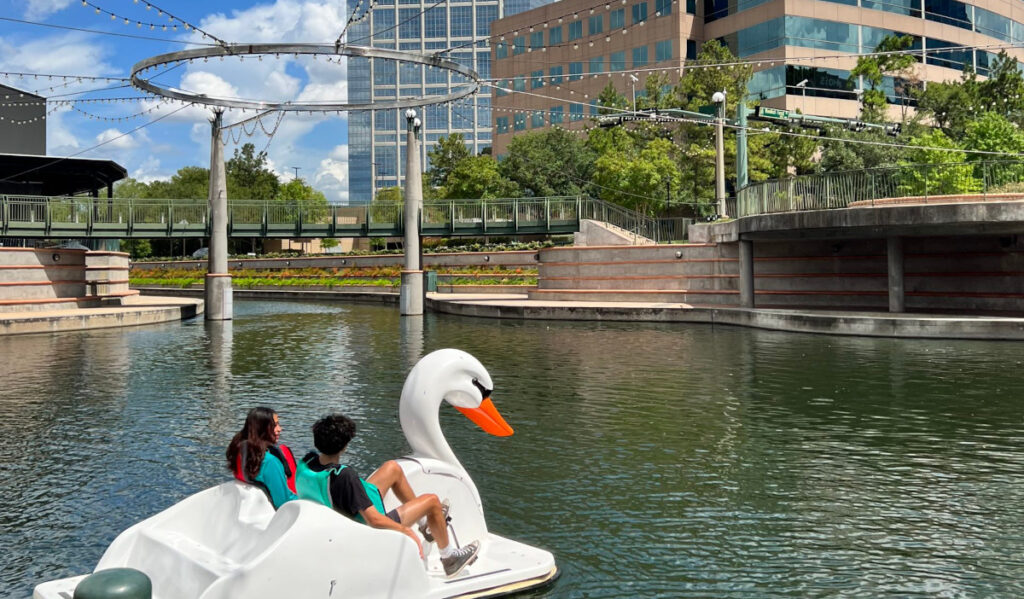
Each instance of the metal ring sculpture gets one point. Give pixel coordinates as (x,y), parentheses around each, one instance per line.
(241,50)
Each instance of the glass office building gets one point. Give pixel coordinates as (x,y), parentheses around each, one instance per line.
(377,138)
(802,51)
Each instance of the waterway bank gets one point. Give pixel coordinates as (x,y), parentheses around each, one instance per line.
(520,307)
(134,311)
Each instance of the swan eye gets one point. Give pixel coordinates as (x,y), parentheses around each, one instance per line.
(483,390)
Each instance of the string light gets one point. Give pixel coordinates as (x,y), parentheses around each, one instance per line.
(172,20)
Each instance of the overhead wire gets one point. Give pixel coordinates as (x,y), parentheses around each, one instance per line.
(160,12)
(112,33)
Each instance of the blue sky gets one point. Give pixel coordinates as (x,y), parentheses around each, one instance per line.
(314,143)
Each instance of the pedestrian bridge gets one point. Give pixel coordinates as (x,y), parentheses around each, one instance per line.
(86,217)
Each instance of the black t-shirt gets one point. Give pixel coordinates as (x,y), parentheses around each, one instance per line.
(347,492)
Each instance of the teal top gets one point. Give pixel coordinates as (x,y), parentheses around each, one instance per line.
(316,486)
(273,477)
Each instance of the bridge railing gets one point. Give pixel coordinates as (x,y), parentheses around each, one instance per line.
(841,189)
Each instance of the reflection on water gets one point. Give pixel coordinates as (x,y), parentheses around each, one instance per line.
(653,460)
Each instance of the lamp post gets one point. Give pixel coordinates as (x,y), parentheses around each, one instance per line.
(410,301)
(719,99)
(633,78)
(218,292)
(803,94)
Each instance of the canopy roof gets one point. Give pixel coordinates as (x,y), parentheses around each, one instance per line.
(55,176)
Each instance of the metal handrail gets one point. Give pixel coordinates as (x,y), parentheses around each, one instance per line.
(830,191)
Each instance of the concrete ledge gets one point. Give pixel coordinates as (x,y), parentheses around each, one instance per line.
(870,324)
(137,311)
(353,296)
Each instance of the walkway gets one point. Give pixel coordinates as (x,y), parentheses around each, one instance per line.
(137,310)
(870,324)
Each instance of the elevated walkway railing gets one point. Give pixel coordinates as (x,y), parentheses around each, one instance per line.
(841,189)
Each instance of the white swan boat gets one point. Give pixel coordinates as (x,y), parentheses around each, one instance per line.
(228,542)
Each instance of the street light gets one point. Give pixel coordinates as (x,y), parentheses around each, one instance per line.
(634,79)
(410,301)
(719,99)
(803,86)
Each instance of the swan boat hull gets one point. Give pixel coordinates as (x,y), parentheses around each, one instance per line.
(228,541)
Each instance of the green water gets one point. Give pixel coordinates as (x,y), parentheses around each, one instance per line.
(652,460)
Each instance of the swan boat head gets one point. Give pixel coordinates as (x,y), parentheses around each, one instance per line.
(453,376)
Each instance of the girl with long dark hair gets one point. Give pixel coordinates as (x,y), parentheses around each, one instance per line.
(255,457)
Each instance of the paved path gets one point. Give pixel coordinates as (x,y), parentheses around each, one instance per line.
(873,324)
(136,310)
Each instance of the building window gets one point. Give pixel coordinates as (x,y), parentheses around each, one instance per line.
(575,112)
(519,122)
(484,16)
(617,61)
(537,119)
(435,21)
(639,56)
(556,75)
(594,109)
(596,64)
(536,40)
(663,51)
(410,23)
(555,36)
(502,124)
(575,30)
(575,71)
(617,19)
(462,21)
(384,24)
(501,50)
(639,12)
(502,89)
(691,50)
(662,7)
(537,79)
(596,24)
(518,45)
(557,115)
(519,84)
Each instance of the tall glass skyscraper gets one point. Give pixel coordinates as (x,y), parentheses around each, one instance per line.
(376,139)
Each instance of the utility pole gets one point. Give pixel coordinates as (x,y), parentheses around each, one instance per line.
(410,300)
(218,281)
(297,169)
(719,99)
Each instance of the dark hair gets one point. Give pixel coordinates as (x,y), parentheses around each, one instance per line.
(331,434)
(256,435)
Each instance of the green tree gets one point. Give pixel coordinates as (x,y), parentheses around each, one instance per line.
(890,60)
(130,188)
(936,167)
(552,162)
(637,175)
(248,175)
(610,101)
(478,177)
(296,195)
(448,152)
(951,105)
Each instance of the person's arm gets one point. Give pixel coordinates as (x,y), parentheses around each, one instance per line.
(379,520)
(273,477)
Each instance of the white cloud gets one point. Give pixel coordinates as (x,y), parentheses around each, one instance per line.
(332,175)
(38,9)
(112,139)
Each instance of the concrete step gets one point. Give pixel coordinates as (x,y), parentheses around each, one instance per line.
(42,289)
(715,298)
(642,282)
(45,257)
(45,304)
(710,266)
(38,272)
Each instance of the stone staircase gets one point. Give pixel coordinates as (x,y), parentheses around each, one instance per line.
(37,279)
(696,274)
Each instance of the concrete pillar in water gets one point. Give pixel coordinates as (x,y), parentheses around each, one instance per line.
(218,281)
(410,300)
(897,298)
(746,274)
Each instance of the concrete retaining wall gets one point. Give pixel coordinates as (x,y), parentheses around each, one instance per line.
(57,279)
(512,259)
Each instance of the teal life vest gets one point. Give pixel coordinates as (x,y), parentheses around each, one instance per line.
(316,486)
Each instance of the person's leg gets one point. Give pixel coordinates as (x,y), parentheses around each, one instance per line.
(391,477)
(426,505)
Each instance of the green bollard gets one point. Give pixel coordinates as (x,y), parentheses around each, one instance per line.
(116,583)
